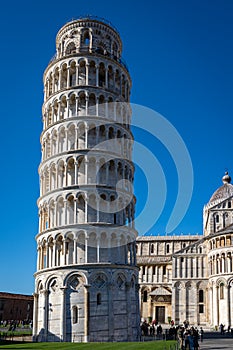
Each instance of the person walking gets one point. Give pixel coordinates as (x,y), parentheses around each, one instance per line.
(201,334)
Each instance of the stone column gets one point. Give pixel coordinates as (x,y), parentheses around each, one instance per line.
(45,316)
(86,249)
(87,312)
(228,306)
(35,316)
(75,252)
(38,258)
(106,78)
(87,73)
(210,306)
(54,254)
(138,295)
(97,76)
(68,77)
(77,72)
(98,250)
(195,302)
(63,314)
(216,306)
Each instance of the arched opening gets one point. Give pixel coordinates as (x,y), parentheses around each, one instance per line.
(92,105)
(71,138)
(80,209)
(70,210)
(82,104)
(70,49)
(72,106)
(63,76)
(70,172)
(86,38)
(92,73)
(81,136)
(82,73)
(101,75)
(73,74)
(101,106)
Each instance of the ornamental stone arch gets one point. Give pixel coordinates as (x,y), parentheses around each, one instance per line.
(53,283)
(99,279)
(39,285)
(70,47)
(119,279)
(75,280)
(221,280)
(92,247)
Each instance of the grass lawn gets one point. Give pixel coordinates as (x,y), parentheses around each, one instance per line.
(151,345)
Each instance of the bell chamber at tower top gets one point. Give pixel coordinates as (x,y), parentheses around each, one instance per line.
(88,62)
(92,36)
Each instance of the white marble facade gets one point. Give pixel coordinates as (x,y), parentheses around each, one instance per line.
(86,283)
(191,277)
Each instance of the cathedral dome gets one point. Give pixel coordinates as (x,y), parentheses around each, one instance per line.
(224,191)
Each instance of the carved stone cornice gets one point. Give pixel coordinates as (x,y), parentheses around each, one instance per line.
(153,260)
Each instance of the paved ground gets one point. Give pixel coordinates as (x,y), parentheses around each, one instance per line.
(215,341)
(217,344)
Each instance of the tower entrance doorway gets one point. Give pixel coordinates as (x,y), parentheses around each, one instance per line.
(160,314)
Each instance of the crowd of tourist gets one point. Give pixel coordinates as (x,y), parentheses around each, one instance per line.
(188,337)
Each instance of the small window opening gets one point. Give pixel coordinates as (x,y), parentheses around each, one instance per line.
(221,291)
(98,299)
(75,314)
(201,309)
(201,296)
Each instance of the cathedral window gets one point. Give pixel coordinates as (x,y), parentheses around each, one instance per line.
(201,296)
(153,270)
(164,270)
(167,248)
(152,248)
(201,309)
(229,205)
(221,290)
(144,270)
(217,218)
(145,296)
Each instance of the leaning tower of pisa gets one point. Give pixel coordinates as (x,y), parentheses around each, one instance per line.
(86,283)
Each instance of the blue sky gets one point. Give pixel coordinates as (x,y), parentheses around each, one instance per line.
(180,56)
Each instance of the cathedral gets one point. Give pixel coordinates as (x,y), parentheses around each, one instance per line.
(190,278)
